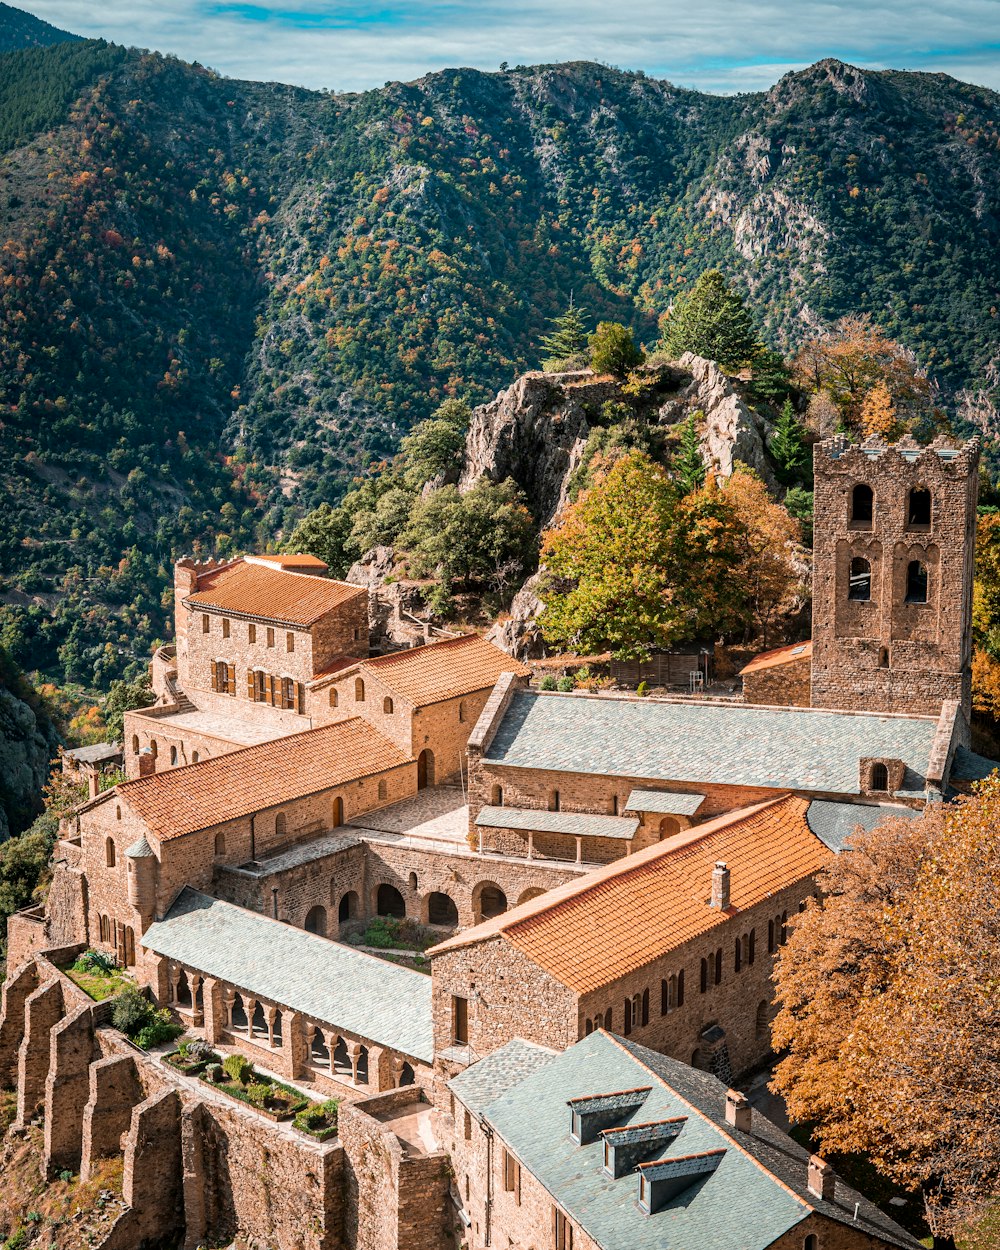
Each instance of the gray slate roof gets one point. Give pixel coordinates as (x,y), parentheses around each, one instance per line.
(330,983)
(99,753)
(577,824)
(968,766)
(833,823)
(486,1080)
(757,1193)
(720,743)
(664,802)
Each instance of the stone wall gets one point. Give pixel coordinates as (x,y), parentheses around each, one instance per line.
(396,1196)
(781,685)
(884,654)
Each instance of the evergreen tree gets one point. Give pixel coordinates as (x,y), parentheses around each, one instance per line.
(689,466)
(613,349)
(711,321)
(568,337)
(788,447)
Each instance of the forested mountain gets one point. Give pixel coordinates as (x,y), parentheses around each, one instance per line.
(22,30)
(219,300)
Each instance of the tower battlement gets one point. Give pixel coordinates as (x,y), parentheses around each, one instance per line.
(895,532)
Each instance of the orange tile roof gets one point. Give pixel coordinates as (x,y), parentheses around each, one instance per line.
(444,670)
(270,594)
(295,562)
(226,787)
(796,651)
(592,931)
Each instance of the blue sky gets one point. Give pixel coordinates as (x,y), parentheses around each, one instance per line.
(716,45)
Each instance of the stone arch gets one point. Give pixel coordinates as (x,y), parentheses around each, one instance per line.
(496,796)
(425,769)
(173,757)
(407,1075)
(337,816)
(879,779)
(359,690)
(316,920)
(319,1052)
(154,749)
(240,1022)
(442,910)
(280,825)
(276,1031)
(110,854)
(182,991)
(414,884)
(258,1025)
(534,891)
(333,696)
(488,900)
(349,907)
(135,744)
(389,901)
(220,843)
(388,707)
(862,505)
(701,1059)
(361,1071)
(669,825)
(342,1059)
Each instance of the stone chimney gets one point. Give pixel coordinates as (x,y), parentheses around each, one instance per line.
(93,782)
(720,886)
(822,1181)
(147,762)
(739,1113)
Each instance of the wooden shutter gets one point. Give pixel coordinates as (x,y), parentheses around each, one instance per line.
(300,697)
(645,1007)
(680,988)
(751,951)
(628,1016)
(230,679)
(250,684)
(215,675)
(271,690)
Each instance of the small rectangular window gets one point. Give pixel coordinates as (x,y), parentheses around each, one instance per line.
(252,633)
(460,1020)
(270,636)
(206,623)
(225,627)
(468,1127)
(511,1175)
(289,642)
(563,1231)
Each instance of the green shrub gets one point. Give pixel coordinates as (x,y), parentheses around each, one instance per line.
(160,1029)
(548,682)
(214,1073)
(238,1068)
(258,1092)
(95,961)
(643,689)
(132,1011)
(383,932)
(565,684)
(319,1118)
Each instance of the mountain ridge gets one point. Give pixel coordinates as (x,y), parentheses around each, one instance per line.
(20,29)
(220,300)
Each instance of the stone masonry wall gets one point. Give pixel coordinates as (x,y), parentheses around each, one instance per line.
(885,654)
(782,685)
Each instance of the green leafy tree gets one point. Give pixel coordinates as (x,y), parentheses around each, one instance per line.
(688,463)
(486,535)
(382,524)
(433,449)
(613,349)
(567,338)
(711,320)
(770,377)
(637,567)
(125,696)
(323,533)
(788,447)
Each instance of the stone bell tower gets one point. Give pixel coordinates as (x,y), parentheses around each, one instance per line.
(895,536)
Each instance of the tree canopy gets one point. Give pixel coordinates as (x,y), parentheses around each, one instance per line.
(889,1008)
(613,349)
(711,320)
(566,341)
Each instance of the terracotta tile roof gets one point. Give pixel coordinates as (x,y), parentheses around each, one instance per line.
(444,670)
(593,931)
(226,787)
(271,594)
(297,563)
(798,651)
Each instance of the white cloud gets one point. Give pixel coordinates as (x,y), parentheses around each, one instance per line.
(717,45)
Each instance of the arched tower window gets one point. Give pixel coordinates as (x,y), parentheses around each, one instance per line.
(333,697)
(220,843)
(359,690)
(109,852)
(880,777)
(496,796)
(918,511)
(916,582)
(387,706)
(860,588)
(862,504)
(280,824)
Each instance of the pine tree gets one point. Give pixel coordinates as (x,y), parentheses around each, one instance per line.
(711,321)
(568,337)
(689,466)
(788,447)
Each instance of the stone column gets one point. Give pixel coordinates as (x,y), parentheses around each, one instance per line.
(531,845)
(579,849)
(228,1002)
(271,1013)
(395,1070)
(175,980)
(250,1007)
(198,1013)
(215,1012)
(354,1054)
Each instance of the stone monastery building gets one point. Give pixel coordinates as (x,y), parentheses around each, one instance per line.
(610,880)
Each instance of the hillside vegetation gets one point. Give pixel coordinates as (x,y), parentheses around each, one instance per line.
(219,301)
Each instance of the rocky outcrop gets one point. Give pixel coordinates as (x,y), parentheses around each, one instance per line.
(392,605)
(519,633)
(733,433)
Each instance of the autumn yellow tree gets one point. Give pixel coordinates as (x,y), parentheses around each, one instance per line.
(767,537)
(878,413)
(849,360)
(889,1006)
